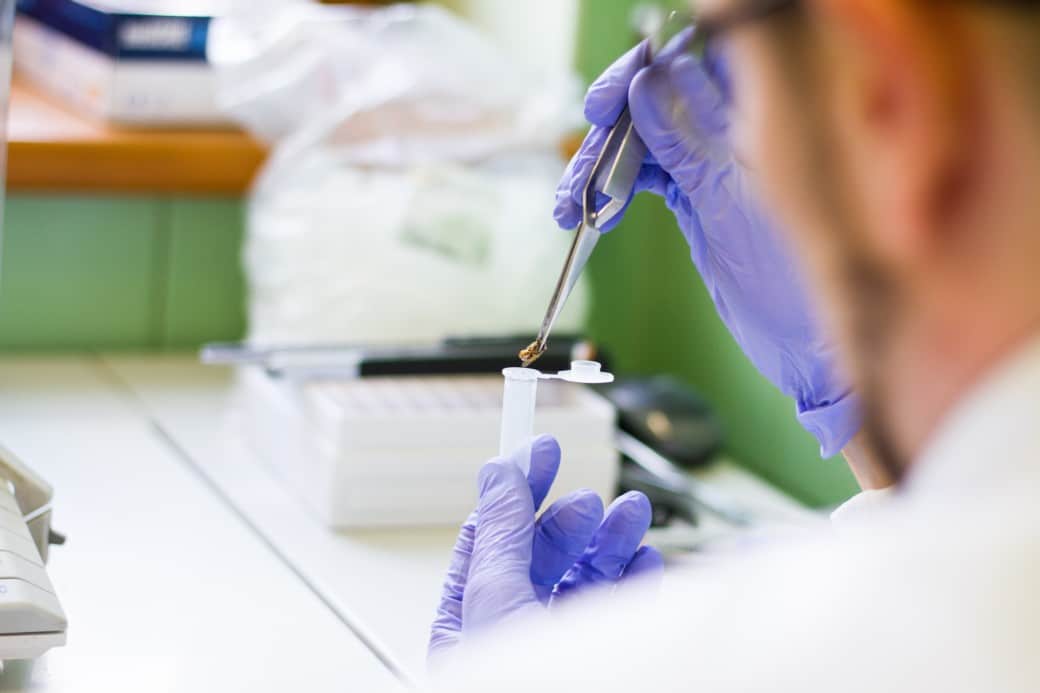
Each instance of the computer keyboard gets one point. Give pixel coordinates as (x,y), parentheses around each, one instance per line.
(31,617)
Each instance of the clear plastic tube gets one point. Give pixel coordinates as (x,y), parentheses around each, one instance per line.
(518,398)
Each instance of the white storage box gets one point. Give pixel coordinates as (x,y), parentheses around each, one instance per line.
(403,450)
(138,64)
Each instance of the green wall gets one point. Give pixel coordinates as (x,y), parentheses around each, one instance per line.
(651,309)
(119,272)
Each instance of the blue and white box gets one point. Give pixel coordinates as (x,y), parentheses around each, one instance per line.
(138,63)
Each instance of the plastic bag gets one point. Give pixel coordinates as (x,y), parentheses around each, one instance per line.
(408,195)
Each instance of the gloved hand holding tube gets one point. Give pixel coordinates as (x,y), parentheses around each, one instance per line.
(680,113)
(506,562)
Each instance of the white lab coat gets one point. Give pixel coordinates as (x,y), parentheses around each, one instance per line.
(937,591)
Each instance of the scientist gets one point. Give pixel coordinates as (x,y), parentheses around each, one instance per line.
(898,144)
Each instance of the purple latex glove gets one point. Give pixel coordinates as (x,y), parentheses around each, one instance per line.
(680,112)
(506,562)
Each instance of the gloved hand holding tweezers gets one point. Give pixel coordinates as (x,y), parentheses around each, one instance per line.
(680,107)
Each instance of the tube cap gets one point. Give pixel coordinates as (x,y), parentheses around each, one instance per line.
(585,372)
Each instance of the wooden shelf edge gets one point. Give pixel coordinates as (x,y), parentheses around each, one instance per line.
(51,147)
(99,167)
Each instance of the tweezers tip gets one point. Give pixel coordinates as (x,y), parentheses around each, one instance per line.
(530,354)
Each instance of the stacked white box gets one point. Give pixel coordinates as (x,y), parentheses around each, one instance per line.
(405,450)
(128,91)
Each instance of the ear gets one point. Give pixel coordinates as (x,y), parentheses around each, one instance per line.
(899,108)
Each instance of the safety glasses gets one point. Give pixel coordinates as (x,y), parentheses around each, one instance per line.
(709,28)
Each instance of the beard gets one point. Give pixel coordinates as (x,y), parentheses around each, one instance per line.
(865,302)
(870,302)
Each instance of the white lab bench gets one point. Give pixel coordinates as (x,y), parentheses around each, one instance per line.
(189,566)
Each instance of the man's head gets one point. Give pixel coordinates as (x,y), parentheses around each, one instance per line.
(899,140)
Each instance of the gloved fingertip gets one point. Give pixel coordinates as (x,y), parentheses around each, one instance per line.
(633,506)
(570,191)
(644,52)
(545,463)
(617,539)
(602,107)
(605,98)
(644,572)
(631,511)
(569,524)
(686,67)
(562,534)
(647,561)
(676,46)
(585,503)
(566,215)
(546,445)
(498,471)
(650,102)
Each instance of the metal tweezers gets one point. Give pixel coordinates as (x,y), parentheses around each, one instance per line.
(613,175)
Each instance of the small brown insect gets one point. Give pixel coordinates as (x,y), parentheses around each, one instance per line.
(530,353)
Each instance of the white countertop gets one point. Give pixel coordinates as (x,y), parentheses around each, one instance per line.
(189,565)
(165,588)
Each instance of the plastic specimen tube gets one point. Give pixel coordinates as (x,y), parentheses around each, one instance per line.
(518,397)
